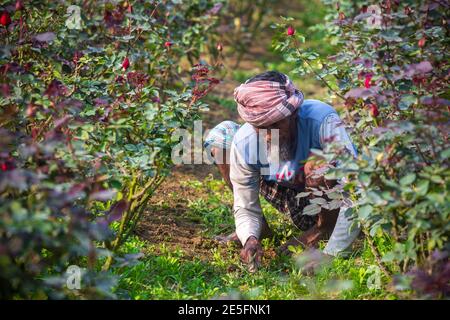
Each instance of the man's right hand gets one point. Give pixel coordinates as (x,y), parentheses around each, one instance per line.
(252,253)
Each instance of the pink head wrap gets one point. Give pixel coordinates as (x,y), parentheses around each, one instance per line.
(262,103)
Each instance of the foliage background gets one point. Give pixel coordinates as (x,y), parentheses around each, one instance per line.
(80,126)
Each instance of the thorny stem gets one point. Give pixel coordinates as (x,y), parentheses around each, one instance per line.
(375,253)
(315,72)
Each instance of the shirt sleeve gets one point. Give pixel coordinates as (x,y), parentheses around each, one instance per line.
(333,131)
(246,208)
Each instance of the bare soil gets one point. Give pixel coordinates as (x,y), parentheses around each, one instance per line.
(165,221)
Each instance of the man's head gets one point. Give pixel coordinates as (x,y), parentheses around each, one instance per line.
(273,76)
(270,101)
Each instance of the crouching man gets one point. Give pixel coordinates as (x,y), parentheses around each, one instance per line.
(252,162)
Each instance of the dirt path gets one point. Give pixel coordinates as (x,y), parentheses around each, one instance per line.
(165,220)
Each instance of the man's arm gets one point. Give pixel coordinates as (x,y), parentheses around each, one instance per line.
(247,208)
(333,131)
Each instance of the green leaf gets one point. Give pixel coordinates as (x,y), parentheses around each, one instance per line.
(319,201)
(312,210)
(115,184)
(408,179)
(364,178)
(302,194)
(445,154)
(388,256)
(436,179)
(436,197)
(375,198)
(406,101)
(365,211)
(422,187)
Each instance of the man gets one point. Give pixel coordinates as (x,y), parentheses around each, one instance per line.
(274,109)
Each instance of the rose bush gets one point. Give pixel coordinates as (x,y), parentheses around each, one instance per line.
(391,73)
(90,95)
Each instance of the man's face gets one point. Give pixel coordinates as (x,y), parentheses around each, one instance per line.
(286,129)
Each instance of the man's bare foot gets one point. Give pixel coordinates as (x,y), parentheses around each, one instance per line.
(266,232)
(231,238)
(311,261)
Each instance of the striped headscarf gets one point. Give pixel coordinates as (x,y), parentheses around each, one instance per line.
(262,103)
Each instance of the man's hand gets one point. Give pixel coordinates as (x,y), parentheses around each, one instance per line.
(252,253)
(315,169)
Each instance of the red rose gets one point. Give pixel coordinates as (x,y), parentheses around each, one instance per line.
(7,165)
(125,63)
(19,5)
(290,31)
(368,81)
(374,110)
(421,42)
(5,19)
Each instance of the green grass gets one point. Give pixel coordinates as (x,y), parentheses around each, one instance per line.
(167,274)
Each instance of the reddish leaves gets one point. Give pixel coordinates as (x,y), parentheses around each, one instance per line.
(76,56)
(7,165)
(55,89)
(116,211)
(137,79)
(203,83)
